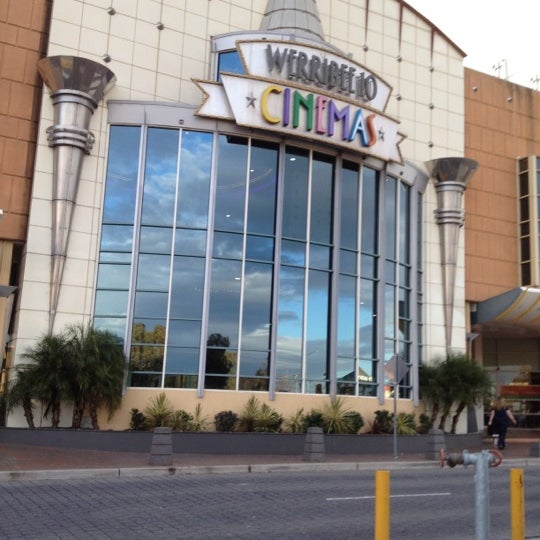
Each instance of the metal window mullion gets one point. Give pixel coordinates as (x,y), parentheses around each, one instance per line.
(334,276)
(276,274)
(413,257)
(381,261)
(171,264)
(243,263)
(358,278)
(208,267)
(136,240)
(306,275)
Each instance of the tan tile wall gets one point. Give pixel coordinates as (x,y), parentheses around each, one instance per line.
(23,41)
(502,122)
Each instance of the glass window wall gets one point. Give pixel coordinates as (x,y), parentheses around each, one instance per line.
(215,251)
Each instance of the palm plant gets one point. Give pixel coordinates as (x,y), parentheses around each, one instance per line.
(20,392)
(100,364)
(456,379)
(159,412)
(336,419)
(48,374)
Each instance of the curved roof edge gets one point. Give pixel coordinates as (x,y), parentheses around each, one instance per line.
(433,26)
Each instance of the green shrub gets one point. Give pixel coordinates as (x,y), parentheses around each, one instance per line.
(356,421)
(181,421)
(424,424)
(198,422)
(383,423)
(159,412)
(138,420)
(313,418)
(268,420)
(335,417)
(405,424)
(295,423)
(249,414)
(259,417)
(225,421)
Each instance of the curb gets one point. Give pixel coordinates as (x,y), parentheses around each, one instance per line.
(64,474)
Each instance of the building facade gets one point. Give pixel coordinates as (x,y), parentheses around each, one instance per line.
(501,237)
(242,193)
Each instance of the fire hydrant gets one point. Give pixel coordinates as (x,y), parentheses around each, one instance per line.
(482,461)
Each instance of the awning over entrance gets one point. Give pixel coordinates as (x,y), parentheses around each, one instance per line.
(518,308)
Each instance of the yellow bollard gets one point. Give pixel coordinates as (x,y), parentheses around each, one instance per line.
(382,505)
(517,506)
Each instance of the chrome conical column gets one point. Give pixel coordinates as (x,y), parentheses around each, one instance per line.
(77,85)
(450,176)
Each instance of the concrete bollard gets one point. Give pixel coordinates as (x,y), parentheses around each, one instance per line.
(161,449)
(436,442)
(314,445)
(534,451)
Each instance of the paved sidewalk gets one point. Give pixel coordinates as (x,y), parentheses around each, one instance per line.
(32,462)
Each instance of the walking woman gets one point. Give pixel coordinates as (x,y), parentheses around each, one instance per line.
(500,417)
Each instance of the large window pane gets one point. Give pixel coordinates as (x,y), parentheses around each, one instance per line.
(153,273)
(322,182)
(290,324)
(155,240)
(367,318)
(231,183)
(122,169)
(295,192)
(195,167)
(317,330)
(113,276)
(262,188)
(190,242)
(160,177)
(117,238)
(349,206)
(256,314)
(187,287)
(369,211)
(346,322)
(111,303)
(184,333)
(225,300)
(390,217)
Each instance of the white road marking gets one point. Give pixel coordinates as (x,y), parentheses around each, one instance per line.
(444,494)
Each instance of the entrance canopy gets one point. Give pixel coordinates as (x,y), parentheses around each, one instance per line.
(516,311)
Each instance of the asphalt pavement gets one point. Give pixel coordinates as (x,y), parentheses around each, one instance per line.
(19,462)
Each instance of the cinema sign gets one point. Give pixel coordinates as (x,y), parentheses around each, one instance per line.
(307,92)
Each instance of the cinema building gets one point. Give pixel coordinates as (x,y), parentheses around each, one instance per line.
(263,201)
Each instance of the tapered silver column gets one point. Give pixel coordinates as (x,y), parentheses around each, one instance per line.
(77,85)
(450,176)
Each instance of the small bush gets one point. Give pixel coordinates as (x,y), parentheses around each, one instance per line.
(268,420)
(181,421)
(259,417)
(335,418)
(313,418)
(405,424)
(160,412)
(424,424)
(138,420)
(249,415)
(295,423)
(225,421)
(383,423)
(198,422)
(356,421)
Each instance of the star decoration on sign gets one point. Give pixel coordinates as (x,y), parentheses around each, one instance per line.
(381,134)
(251,101)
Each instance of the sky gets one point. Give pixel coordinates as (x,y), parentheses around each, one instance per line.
(492,33)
